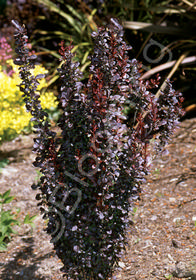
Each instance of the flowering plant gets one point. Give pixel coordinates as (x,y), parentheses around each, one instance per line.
(13,116)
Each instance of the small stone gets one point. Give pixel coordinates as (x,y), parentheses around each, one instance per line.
(173,180)
(121,264)
(153,218)
(172,199)
(178,219)
(183,270)
(175,243)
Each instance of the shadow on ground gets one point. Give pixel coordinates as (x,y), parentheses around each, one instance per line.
(17,269)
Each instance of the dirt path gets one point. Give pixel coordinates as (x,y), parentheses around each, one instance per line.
(162,237)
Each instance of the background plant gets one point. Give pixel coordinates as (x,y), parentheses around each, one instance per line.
(8,219)
(101,156)
(67,23)
(169,22)
(13,116)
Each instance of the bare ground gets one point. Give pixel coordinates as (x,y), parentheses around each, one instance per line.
(162,237)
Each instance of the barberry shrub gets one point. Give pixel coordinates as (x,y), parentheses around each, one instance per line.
(93,169)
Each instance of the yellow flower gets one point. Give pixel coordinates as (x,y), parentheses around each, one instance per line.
(48,100)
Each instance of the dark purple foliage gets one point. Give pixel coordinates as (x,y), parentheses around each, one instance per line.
(100,159)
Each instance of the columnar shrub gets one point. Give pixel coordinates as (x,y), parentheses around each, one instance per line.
(94,168)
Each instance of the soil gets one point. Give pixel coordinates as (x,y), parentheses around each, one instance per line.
(162,237)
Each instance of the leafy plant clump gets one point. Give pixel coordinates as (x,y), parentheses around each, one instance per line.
(8,219)
(94,168)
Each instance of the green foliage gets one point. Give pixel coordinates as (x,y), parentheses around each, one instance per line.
(65,22)
(38,176)
(134,210)
(8,220)
(29,220)
(133,213)
(168,276)
(3,163)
